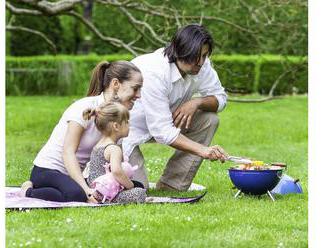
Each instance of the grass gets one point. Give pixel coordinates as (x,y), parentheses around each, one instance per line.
(271,131)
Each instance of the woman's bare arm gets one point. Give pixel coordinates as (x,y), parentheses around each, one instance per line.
(71,143)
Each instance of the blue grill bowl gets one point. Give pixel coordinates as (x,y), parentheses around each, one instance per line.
(255,182)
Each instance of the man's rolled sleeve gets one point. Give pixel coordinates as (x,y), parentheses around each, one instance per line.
(211,85)
(222,102)
(154,97)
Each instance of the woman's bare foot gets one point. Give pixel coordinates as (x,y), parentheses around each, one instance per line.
(25,186)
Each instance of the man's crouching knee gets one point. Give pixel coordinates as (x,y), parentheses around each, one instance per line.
(212,119)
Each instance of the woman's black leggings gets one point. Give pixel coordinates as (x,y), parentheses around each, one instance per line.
(52,185)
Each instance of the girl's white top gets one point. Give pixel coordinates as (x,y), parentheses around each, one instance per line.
(51,155)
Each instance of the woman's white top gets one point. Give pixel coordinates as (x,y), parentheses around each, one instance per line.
(51,155)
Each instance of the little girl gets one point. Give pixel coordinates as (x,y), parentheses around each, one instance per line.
(106,172)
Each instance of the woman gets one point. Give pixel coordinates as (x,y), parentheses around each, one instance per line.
(57,172)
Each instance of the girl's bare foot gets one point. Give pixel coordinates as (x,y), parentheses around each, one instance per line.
(25,186)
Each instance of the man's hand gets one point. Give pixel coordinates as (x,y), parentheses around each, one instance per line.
(214,153)
(183,115)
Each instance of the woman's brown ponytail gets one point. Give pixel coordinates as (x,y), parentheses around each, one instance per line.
(97,83)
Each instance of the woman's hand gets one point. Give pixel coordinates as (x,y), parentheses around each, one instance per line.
(214,153)
(183,115)
(90,197)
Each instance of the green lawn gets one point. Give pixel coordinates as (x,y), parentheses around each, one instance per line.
(270,131)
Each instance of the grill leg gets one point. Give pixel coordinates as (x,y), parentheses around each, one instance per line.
(271,195)
(237,194)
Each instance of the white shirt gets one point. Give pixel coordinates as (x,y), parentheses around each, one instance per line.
(51,155)
(163,91)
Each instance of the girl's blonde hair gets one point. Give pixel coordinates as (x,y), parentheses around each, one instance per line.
(106,113)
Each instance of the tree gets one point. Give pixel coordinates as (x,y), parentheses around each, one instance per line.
(140,15)
(251,27)
(239,26)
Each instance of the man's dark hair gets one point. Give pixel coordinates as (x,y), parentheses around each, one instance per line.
(187,44)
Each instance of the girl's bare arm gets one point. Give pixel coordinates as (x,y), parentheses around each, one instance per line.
(116,157)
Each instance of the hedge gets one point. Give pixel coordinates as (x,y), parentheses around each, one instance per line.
(70,75)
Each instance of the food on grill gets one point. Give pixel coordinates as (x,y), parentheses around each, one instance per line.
(256,165)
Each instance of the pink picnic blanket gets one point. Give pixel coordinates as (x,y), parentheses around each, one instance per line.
(14,201)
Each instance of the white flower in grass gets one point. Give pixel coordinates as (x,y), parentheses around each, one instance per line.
(27,243)
(188,218)
(280,245)
(20,245)
(61,239)
(38,240)
(68,220)
(133,227)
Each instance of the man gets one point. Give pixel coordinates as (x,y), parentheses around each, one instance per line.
(167,113)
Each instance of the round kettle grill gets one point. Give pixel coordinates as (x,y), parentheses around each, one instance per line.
(257,182)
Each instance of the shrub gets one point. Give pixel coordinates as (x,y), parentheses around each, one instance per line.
(70,75)
(291,71)
(236,72)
